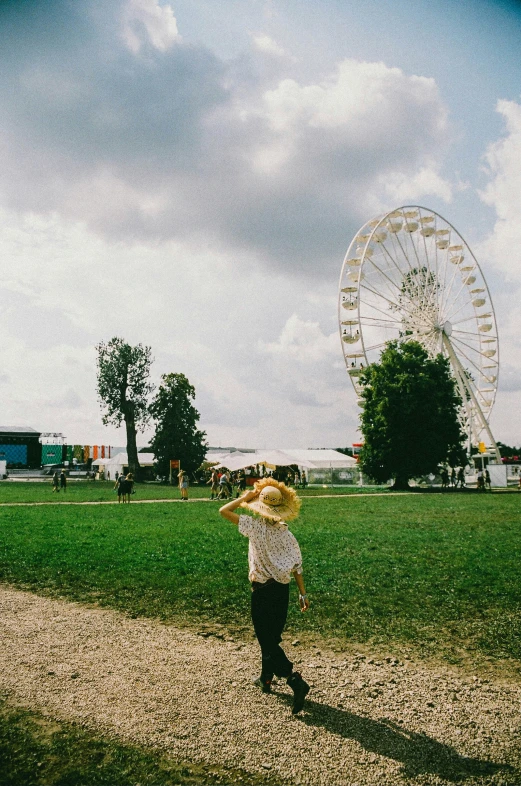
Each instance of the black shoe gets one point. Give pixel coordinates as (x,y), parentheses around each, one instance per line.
(300,690)
(264,685)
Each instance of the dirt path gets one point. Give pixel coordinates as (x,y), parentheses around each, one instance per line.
(367,722)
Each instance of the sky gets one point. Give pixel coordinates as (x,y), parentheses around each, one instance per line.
(188,175)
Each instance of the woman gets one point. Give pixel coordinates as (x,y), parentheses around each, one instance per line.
(120,486)
(56,483)
(214,483)
(129,486)
(223,487)
(183,484)
(274,556)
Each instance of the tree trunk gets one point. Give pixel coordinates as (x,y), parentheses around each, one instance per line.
(133,460)
(401,483)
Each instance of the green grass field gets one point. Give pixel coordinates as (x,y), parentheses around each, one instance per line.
(439,573)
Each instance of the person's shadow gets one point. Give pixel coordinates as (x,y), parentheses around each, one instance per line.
(419,753)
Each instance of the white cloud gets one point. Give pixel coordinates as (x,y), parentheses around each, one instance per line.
(303,367)
(501,254)
(503,193)
(402,188)
(303,341)
(180,145)
(362,139)
(263,43)
(359,98)
(148,21)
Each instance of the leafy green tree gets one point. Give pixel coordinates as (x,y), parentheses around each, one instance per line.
(124,389)
(508,451)
(410,419)
(176,435)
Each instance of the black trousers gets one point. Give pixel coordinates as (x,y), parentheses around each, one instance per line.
(269,609)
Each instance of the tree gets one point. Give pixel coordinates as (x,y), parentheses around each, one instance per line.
(410,419)
(176,435)
(509,452)
(124,389)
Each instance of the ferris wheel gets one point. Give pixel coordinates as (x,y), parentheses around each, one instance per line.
(409,275)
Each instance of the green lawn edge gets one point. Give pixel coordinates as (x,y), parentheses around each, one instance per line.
(38,750)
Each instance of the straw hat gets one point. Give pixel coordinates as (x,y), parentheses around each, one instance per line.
(275,500)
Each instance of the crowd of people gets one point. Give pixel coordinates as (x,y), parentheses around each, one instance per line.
(227,485)
(457,479)
(224,484)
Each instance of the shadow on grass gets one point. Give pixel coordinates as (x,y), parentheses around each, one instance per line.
(419,753)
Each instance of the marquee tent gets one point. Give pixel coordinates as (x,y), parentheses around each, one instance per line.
(278,458)
(309,459)
(100,462)
(234,461)
(322,459)
(119,463)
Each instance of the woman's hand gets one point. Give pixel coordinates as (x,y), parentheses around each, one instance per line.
(227,511)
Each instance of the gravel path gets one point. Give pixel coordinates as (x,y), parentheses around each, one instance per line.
(366,722)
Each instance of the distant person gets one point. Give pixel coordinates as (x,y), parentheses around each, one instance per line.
(461,478)
(228,476)
(444,475)
(120,488)
(453,478)
(488,482)
(214,484)
(129,486)
(481,480)
(56,483)
(63,481)
(223,487)
(241,482)
(274,557)
(183,484)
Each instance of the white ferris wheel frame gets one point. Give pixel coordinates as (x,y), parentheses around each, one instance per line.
(424,319)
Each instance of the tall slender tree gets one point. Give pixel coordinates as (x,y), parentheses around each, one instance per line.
(176,434)
(123,375)
(410,419)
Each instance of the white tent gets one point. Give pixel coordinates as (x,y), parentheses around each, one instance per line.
(237,460)
(321,459)
(279,458)
(100,462)
(119,462)
(310,459)
(215,457)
